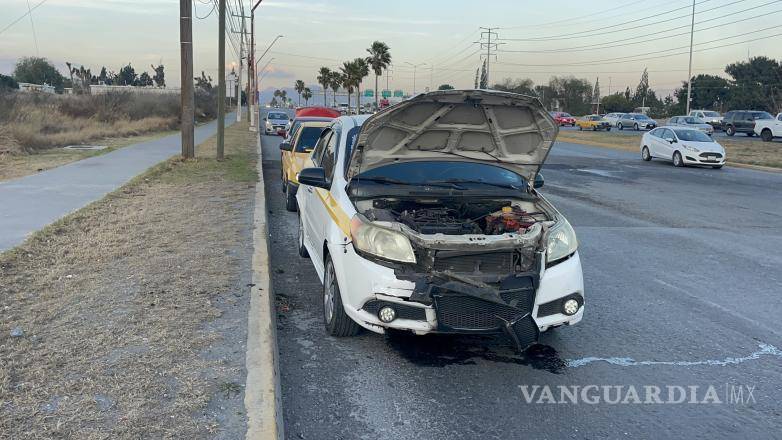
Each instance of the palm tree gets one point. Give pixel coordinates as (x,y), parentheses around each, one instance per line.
(348,76)
(299,87)
(379,58)
(335,82)
(361,71)
(306,94)
(324,79)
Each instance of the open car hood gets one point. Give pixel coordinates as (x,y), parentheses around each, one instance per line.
(504,129)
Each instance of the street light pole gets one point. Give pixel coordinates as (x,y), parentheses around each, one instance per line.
(689,71)
(221,80)
(415,67)
(252,102)
(186,78)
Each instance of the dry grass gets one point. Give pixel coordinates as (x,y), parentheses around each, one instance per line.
(13,166)
(743,151)
(123,307)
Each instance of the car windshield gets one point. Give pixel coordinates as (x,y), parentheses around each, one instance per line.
(711,114)
(639,116)
(308,139)
(761,115)
(277,116)
(692,136)
(595,118)
(433,172)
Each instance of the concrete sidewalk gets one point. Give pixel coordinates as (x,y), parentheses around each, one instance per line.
(32,202)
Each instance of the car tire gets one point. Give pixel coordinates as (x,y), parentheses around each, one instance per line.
(580,128)
(678,161)
(290,198)
(284,181)
(766,135)
(750,133)
(594,128)
(608,128)
(338,323)
(619,126)
(717,167)
(573,124)
(635,127)
(302,249)
(730,130)
(645,154)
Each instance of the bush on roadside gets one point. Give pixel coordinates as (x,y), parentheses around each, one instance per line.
(37,121)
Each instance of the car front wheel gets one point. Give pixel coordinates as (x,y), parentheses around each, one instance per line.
(645,155)
(338,323)
(290,197)
(730,131)
(635,127)
(302,249)
(619,126)
(677,159)
(766,135)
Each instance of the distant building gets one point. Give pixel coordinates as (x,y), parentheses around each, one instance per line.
(40,88)
(102,89)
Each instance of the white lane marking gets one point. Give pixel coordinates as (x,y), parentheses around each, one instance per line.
(764,350)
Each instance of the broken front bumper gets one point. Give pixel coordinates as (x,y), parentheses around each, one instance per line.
(450,306)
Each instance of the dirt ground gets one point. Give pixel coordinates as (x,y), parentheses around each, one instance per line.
(18,164)
(743,151)
(127,319)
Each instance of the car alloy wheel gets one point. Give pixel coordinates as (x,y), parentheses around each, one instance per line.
(329,285)
(645,155)
(619,126)
(338,323)
(766,135)
(635,126)
(730,131)
(302,249)
(580,128)
(677,159)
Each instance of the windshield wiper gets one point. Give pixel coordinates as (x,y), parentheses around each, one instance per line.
(498,185)
(389,181)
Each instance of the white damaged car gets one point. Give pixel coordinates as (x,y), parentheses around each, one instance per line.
(425,217)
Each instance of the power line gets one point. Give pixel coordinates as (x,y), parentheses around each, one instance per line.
(607,45)
(601,13)
(32,25)
(29,11)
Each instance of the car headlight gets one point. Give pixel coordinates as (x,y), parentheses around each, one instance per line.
(561,241)
(381,242)
(693,149)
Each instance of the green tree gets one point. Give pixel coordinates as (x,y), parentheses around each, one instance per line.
(299,87)
(348,76)
(127,76)
(360,71)
(335,82)
(38,70)
(521,86)
(8,82)
(445,87)
(306,94)
(160,75)
(325,79)
(203,82)
(708,92)
(144,80)
(574,94)
(616,102)
(484,83)
(757,84)
(379,58)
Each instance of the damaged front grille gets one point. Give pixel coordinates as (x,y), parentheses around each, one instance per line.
(496,262)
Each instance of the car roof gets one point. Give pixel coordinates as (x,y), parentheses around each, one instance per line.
(315,123)
(313,119)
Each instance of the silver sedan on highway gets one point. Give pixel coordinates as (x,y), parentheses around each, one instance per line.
(636,121)
(692,122)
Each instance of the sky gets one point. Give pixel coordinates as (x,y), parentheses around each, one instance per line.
(610,40)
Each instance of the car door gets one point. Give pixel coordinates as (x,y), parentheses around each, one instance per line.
(666,147)
(746,122)
(321,197)
(307,197)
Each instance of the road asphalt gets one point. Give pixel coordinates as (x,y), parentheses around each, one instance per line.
(29,203)
(681,268)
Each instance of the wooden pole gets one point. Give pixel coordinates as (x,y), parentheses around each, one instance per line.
(187,115)
(221,81)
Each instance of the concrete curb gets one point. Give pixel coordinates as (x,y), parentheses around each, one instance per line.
(262,399)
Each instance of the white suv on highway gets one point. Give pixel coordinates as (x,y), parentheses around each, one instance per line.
(424,217)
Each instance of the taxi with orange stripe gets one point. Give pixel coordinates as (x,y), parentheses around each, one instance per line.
(426,217)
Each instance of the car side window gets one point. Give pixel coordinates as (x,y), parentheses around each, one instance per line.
(317,152)
(329,156)
(779,118)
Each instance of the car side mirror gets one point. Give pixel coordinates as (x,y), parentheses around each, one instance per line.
(286,146)
(538,183)
(315,176)
(671,140)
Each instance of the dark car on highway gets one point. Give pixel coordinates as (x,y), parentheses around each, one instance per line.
(742,121)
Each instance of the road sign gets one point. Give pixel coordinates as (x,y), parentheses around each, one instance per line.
(399,94)
(386,93)
(369,93)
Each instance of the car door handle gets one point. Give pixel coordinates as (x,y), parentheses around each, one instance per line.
(308,188)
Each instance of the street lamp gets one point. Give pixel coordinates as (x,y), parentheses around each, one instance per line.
(415,66)
(255,91)
(259,78)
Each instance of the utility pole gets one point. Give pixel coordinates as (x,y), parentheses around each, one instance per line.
(186,78)
(221,80)
(689,71)
(251,73)
(488,33)
(415,67)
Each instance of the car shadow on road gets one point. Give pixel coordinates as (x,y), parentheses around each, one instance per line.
(439,350)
